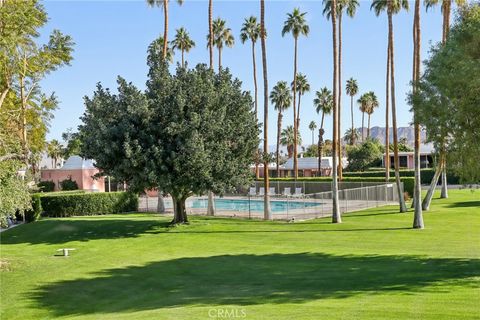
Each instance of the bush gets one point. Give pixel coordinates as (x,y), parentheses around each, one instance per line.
(364,156)
(425,174)
(46,186)
(84,204)
(34,213)
(68,184)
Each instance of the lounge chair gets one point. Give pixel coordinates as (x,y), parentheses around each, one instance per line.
(298,192)
(252,191)
(271,191)
(287,191)
(261,192)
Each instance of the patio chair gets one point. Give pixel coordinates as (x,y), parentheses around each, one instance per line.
(261,192)
(298,192)
(287,191)
(271,191)
(252,191)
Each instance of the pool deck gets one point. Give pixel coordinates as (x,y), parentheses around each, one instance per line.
(324,209)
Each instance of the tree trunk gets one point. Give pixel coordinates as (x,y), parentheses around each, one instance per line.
(336,214)
(363,126)
(433,185)
(298,111)
(339,93)
(256,101)
(210,32)
(403,207)
(24,120)
(418,215)
(313,137)
(3,96)
(211,204)
(219,59)
(444,192)
(387,117)
(295,142)
(165,29)
(267,213)
(368,128)
(279,129)
(160,203)
(179,212)
(320,149)
(183,59)
(353,125)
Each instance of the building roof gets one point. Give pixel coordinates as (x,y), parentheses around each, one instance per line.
(77,162)
(308,163)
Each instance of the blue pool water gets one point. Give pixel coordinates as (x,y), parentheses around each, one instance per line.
(255,205)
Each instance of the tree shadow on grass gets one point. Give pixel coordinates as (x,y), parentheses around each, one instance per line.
(55,231)
(248,280)
(465,204)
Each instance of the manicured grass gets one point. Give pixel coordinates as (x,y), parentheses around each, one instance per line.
(372,266)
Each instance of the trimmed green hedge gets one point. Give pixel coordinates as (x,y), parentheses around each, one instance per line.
(33,214)
(425,174)
(63,204)
(408,182)
(46,186)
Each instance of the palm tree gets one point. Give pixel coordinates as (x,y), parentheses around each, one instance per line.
(323,103)
(295,24)
(446,10)
(288,139)
(251,30)
(350,6)
(183,43)
(312,126)
(164,3)
(210,32)
(363,106)
(54,151)
(417,191)
(282,99)
(156,49)
(302,87)
(352,90)
(350,136)
(267,212)
(392,7)
(222,36)
(372,103)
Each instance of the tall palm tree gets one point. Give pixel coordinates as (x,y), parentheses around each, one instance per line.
(183,43)
(350,136)
(323,103)
(210,32)
(267,212)
(392,7)
(363,107)
(302,87)
(352,90)
(350,6)
(312,126)
(282,99)
(222,36)
(417,190)
(287,138)
(296,24)
(372,103)
(164,4)
(446,10)
(251,30)
(54,151)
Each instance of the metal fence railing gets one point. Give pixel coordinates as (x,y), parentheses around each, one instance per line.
(285,203)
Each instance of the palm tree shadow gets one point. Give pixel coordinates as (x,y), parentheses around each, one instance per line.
(465,204)
(248,280)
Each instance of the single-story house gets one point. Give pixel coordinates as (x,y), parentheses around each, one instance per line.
(307,167)
(79,170)
(406,159)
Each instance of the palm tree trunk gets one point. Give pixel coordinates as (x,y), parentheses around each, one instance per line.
(24,119)
(279,129)
(320,145)
(256,100)
(387,117)
(298,111)
(165,29)
(267,213)
(219,59)
(295,163)
(340,167)
(210,32)
(446,29)
(353,125)
(313,138)
(418,215)
(433,185)
(363,126)
(336,214)
(368,128)
(183,59)
(403,207)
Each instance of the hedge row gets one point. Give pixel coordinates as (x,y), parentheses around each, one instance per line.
(425,174)
(408,182)
(66,204)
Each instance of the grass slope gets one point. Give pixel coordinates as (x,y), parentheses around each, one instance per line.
(373,266)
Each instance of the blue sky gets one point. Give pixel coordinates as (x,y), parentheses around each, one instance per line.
(112,36)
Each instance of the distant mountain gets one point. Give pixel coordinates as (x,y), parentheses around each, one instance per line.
(403,132)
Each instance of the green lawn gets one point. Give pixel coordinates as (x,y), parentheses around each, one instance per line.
(372,266)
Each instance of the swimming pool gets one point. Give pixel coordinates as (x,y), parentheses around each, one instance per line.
(252,205)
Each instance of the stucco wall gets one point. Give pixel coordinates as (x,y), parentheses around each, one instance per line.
(83,177)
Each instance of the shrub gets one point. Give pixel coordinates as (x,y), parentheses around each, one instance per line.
(84,204)
(425,174)
(364,156)
(34,213)
(46,186)
(68,184)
